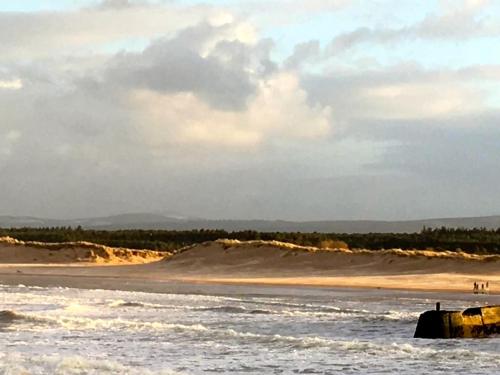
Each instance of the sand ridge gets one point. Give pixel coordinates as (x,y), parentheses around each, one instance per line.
(282,258)
(228,243)
(278,263)
(13,251)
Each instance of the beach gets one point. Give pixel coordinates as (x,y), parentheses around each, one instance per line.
(253,263)
(232,307)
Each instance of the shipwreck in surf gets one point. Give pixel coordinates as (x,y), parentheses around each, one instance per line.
(474,322)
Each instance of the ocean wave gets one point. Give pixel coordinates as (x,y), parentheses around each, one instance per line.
(17,363)
(277,302)
(229,309)
(395,350)
(413,351)
(311,311)
(10,316)
(77,308)
(307,307)
(122,303)
(361,314)
(119,324)
(330,313)
(234,310)
(82,324)
(292,342)
(404,316)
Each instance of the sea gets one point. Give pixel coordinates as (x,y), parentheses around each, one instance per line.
(222,329)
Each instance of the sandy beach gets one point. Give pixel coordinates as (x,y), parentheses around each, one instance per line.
(254,262)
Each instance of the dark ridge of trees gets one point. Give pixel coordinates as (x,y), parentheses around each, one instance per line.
(477,240)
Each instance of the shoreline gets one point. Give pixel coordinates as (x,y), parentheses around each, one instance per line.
(249,264)
(93,277)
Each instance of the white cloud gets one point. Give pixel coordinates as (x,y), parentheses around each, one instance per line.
(8,141)
(303,52)
(90,30)
(420,100)
(406,92)
(13,84)
(279,111)
(283,12)
(12,136)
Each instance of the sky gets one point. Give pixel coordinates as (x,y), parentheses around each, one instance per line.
(252,109)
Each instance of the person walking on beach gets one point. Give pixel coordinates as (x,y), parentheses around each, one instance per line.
(475,290)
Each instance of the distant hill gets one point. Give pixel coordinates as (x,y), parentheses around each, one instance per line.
(158,221)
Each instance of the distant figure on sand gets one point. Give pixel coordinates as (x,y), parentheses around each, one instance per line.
(485,288)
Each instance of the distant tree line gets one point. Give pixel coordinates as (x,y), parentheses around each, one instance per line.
(477,240)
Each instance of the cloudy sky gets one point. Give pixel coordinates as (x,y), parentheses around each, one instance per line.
(289,109)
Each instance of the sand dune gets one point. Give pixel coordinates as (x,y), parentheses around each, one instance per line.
(13,251)
(271,262)
(273,257)
(253,262)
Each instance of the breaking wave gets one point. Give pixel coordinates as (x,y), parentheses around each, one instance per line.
(234,310)
(9,316)
(331,312)
(122,303)
(18,363)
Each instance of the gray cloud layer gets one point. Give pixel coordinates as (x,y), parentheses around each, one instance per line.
(175,65)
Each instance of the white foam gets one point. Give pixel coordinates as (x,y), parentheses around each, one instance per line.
(17,363)
(76,308)
(408,316)
(104,332)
